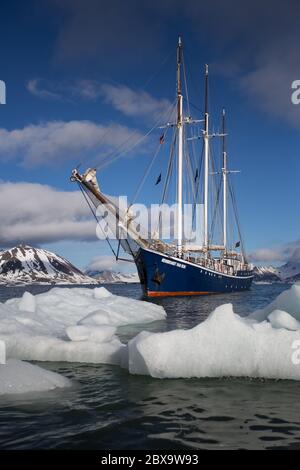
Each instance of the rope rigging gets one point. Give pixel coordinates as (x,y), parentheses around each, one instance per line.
(235,208)
(216,214)
(198,162)
(113,156)
(168,177)
(90,205)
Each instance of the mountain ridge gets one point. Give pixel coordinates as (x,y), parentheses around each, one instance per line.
(107,276)
(24,264)
(288,272)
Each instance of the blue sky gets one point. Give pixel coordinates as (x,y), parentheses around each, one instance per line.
(65,62)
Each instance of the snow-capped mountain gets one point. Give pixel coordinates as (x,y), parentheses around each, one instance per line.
(108,277)
(289,272)
(266,274)
(24,264)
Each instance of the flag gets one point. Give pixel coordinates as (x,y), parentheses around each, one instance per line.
(196,175)
(237,244)
(158,180)
(162,139)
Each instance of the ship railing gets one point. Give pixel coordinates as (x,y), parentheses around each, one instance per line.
(200,260)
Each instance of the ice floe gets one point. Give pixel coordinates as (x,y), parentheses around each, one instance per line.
(264,345)
(79,325)
(71,324)
(281,319)
(21,377)
(288,301)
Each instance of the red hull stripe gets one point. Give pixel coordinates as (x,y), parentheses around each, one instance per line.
(172,294)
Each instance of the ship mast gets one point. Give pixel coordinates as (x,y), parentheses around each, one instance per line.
(224,173)
(180,149)
(206,163)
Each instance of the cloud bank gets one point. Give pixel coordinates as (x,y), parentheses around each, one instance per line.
(109,263)
(135,103)
(282,253)
(41,214)
(54,142)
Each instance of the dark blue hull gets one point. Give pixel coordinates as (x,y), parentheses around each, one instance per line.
(162,275)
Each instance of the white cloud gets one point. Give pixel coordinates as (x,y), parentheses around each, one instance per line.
(266,255)
(36,88)
(135,103)
(56,141)
(41,214)
(86,89)
(109,263)
(281,253)
(65,90)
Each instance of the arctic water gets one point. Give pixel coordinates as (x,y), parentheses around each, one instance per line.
(107,408)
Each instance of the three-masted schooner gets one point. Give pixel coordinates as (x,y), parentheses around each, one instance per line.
(166,268)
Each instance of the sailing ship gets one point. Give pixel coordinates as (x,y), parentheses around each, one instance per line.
(176,267)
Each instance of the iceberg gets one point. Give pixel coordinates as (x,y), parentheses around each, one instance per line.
(264,345)
(71,324)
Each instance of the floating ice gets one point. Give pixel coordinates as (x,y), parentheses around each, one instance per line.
(78,325)
(288,301)
(60,307)
(226,345)
(71,324)
(27,303)
(281,319)
(21,377)
(116,310)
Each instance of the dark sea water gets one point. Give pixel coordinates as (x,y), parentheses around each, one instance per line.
(107,408)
